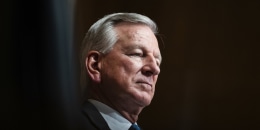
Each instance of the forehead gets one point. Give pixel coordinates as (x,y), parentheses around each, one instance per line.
(133,30)
(129,33)
(134,36)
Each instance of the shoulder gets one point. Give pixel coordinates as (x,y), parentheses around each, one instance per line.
(92,118)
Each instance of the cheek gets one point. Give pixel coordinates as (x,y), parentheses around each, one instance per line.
(116,67)
(122,67)
(130,66)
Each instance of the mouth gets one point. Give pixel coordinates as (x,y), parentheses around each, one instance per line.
(144,83)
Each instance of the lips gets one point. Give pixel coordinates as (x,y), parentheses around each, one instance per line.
(144,82)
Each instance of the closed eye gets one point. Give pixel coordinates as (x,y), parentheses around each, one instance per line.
(158,63)
(136,54)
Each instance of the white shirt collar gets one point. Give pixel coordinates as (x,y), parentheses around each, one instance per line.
(114,119)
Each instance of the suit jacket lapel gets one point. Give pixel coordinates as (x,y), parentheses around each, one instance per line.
(94,116)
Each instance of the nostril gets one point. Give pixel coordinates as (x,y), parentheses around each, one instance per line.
(151,69)
(148,73)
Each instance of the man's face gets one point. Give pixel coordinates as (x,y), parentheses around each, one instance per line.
(130,70)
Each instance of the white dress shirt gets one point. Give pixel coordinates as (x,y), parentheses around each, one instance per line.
(114,119)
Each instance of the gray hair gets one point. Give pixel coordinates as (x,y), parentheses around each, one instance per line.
(101,37)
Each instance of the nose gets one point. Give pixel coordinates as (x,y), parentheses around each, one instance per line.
(150,67)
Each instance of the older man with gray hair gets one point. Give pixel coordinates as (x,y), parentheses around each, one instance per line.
(119,69)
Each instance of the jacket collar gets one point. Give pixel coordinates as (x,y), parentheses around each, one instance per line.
(94,116)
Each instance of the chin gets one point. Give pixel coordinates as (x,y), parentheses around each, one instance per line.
(145,101)
(143,98)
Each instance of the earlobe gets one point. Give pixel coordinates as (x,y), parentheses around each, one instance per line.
(93,66)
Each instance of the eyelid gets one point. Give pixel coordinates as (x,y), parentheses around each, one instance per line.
(159,59)
(142,53)
(158,62)
(137,52)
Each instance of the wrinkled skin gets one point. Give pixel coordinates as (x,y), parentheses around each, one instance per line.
(129,72)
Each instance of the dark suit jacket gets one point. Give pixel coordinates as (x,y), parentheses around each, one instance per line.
(93,119)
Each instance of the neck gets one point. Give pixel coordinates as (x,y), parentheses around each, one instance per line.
(132,117)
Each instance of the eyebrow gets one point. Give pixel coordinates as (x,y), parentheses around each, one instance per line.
(131,47)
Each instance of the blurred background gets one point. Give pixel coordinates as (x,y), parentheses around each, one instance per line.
(209,75)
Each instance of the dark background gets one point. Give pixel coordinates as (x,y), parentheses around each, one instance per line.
(209,75)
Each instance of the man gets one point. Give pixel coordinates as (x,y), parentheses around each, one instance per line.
(120,66)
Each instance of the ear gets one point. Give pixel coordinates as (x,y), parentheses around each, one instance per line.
(93,65)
